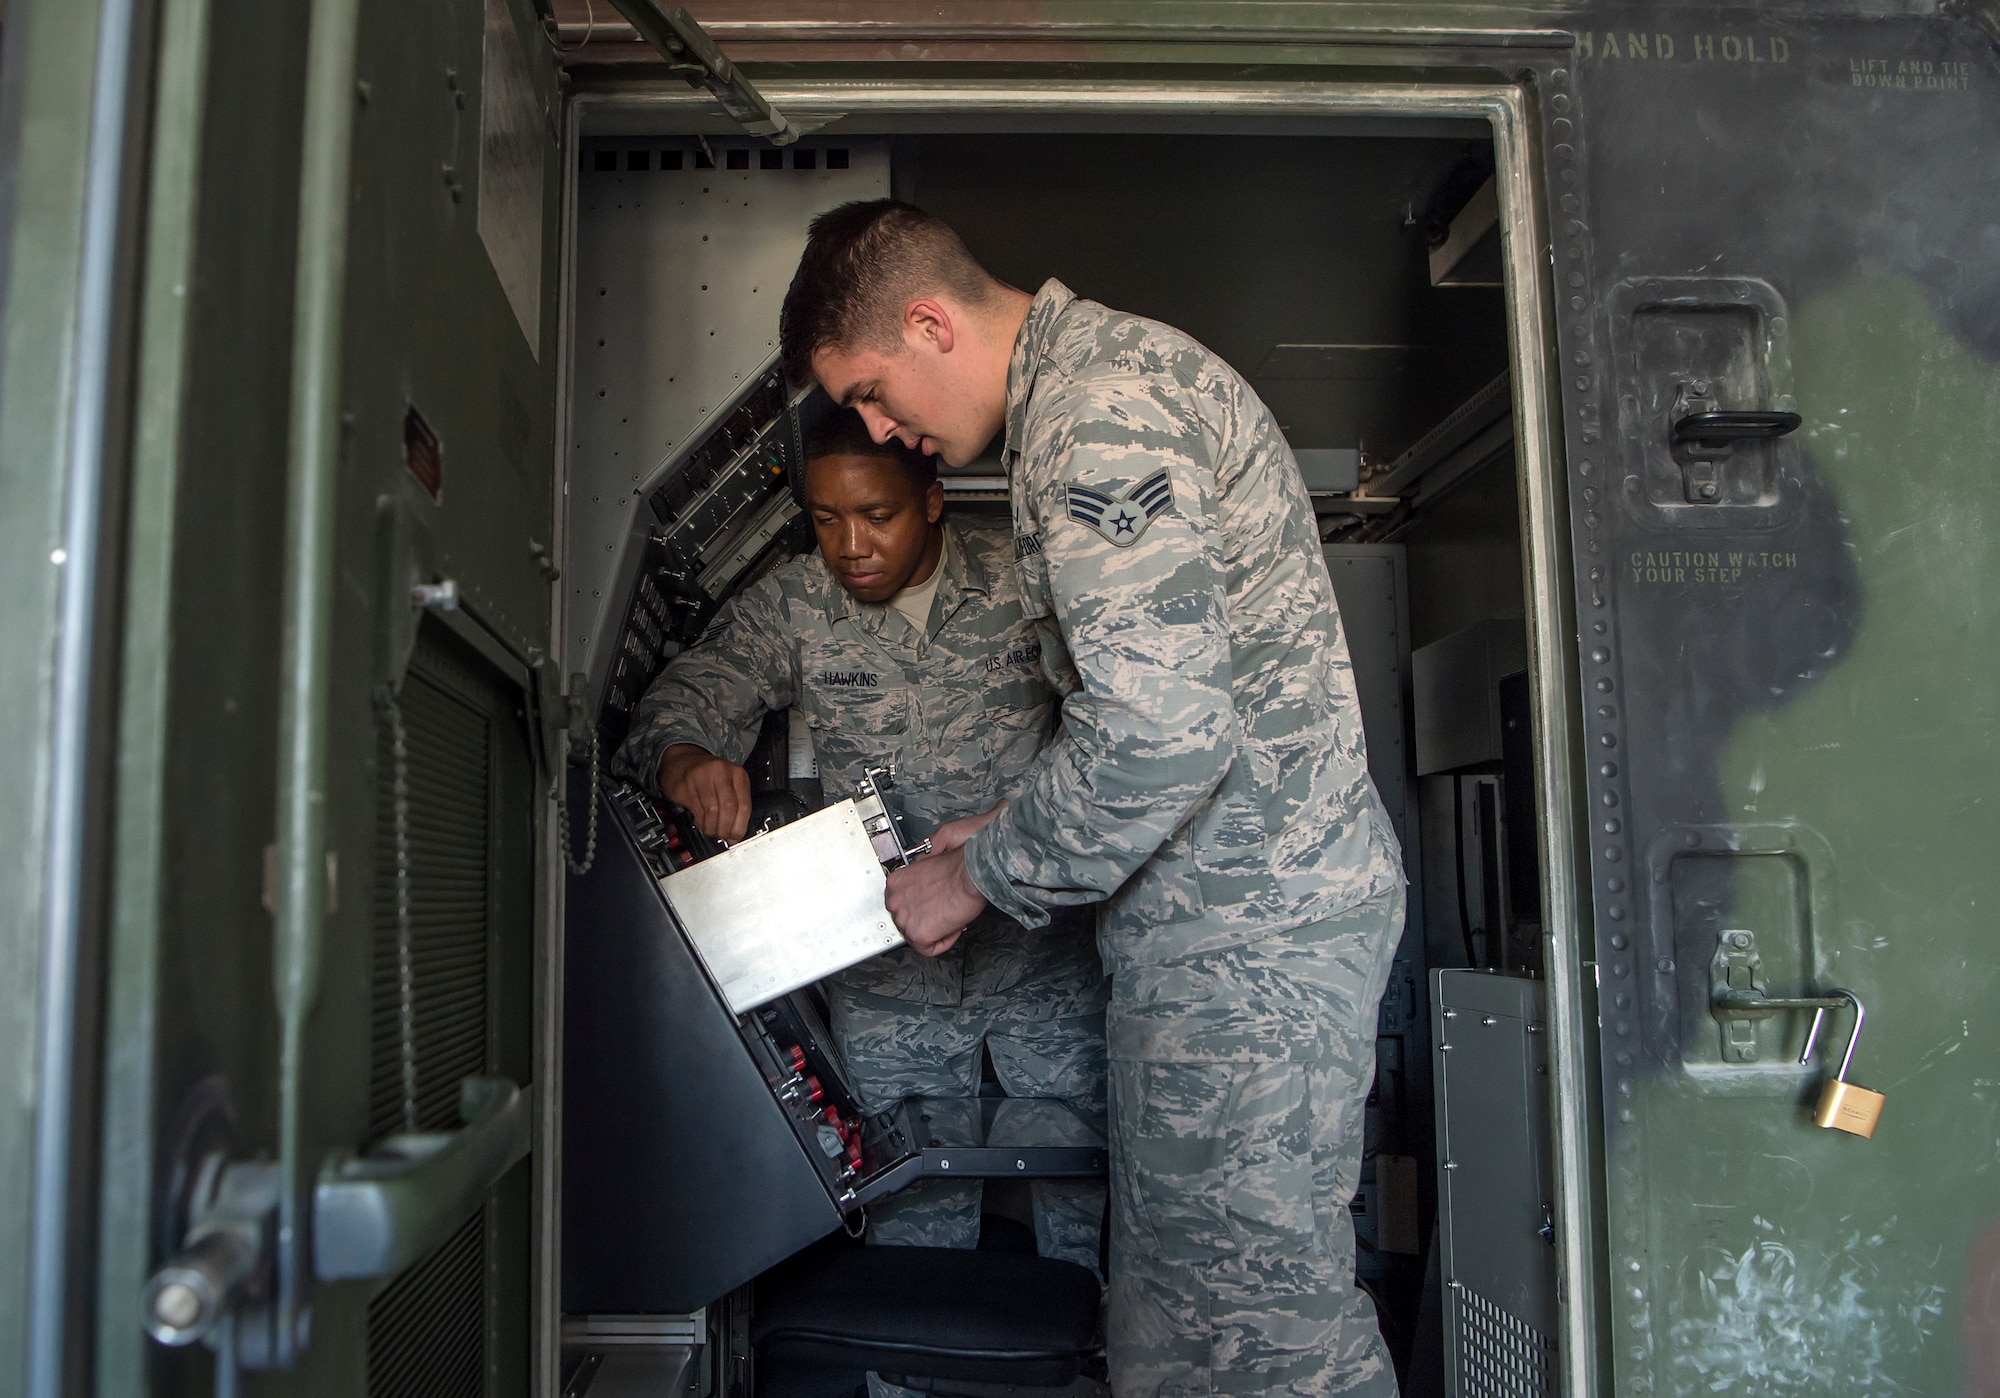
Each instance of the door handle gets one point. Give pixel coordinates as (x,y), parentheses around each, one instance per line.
(374,1215)
(1721,428)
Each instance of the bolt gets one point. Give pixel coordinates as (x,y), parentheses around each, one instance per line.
(176,1306)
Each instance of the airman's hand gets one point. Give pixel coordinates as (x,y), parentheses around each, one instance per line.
(954,833)
(932,900)
(714,791)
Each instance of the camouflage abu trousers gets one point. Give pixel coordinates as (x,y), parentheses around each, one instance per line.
(1238,1084)
(896,1049)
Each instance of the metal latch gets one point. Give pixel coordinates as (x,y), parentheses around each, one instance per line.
(1704,435)
(1738,1000)
(1735,982)
(225,1258)
(372,1216)
(885,830)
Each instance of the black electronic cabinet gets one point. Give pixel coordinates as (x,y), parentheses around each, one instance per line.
(699,1148)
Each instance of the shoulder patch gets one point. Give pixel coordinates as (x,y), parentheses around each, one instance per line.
(1027,545)
(1122,518)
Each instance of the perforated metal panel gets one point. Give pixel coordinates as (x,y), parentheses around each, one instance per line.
(683,252)
(450,820)
(427,1329)
(449,783)
(1495,1192)
(1499,1355)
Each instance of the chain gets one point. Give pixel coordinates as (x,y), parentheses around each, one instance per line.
(406,979)
(562,817)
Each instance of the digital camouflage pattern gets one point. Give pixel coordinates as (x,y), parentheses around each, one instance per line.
(934,1053)
(960,713)
(1236,1146)
(1211,782)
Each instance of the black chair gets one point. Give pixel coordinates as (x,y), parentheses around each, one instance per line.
(965,1322)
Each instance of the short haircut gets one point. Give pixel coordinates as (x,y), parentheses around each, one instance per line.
(843,433)
(863,264)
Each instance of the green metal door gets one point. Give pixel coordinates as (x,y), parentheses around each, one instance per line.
(323,766)
(1788,693)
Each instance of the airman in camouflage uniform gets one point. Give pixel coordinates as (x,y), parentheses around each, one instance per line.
(1210,787)
(959,712)
(1213,788)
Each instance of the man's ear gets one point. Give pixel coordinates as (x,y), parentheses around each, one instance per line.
(927,321)
(934,502)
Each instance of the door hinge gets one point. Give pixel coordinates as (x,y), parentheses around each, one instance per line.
(692,55)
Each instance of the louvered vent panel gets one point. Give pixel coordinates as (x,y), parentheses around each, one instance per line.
(427,1329)
(449,781)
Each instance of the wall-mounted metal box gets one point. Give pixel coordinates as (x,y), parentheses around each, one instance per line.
(1456,692)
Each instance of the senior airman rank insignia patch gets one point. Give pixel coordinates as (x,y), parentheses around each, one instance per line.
(1122,518)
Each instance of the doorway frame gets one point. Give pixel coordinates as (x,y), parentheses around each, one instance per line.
(1521,187)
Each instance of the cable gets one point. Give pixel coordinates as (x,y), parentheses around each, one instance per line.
(1458,872)
(554,30)
(406,980)
(562,816)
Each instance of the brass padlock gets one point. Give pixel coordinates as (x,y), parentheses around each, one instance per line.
(1843,1105)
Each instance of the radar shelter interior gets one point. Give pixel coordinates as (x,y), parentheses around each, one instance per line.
(716,1166)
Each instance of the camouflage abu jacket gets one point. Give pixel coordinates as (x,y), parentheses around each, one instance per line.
(959,713)
(1211,781)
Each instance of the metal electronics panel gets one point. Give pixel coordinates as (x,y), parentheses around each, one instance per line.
(701,1146)
(682,1176)
(1495,1191)
(684,249)
(786,908)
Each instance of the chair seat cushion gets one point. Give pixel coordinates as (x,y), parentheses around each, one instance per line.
(945,1313)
